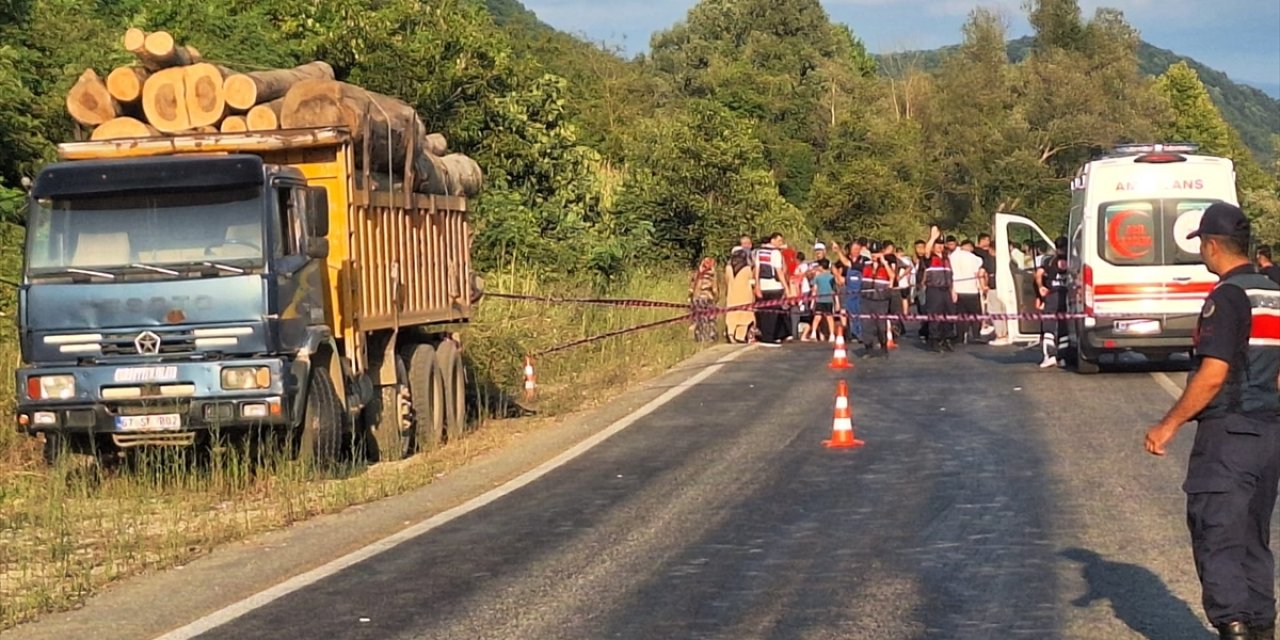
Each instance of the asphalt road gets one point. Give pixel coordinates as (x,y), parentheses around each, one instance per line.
(993,499)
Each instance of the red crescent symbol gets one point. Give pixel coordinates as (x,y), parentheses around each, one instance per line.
(1113,234)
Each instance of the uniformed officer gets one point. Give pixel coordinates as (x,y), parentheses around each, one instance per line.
(879,277)
(1052,286)
(939,291)
(1235,461)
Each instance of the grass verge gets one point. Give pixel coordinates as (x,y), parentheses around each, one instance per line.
(65,532)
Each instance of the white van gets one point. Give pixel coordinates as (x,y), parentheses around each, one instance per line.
(1133,272)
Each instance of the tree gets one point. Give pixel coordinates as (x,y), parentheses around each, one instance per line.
(1058,24)
(1196,119)
(698,173)
(773,62)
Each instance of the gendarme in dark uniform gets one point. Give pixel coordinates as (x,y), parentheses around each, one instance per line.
(1234,467)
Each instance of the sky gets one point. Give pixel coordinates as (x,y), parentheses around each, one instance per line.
(1238,37)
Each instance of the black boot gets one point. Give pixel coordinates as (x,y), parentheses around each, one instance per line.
(1233,631)
(1263,633)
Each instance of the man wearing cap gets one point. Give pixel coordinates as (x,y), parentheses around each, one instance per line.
(1235,462)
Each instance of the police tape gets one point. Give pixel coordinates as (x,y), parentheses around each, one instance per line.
(788,305)
(611,334)
(609,302)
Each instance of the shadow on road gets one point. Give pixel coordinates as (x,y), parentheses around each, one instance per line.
(1139,598)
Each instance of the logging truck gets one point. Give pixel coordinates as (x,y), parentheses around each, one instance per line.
(182,290)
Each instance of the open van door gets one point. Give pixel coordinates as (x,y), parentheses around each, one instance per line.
(1015,278)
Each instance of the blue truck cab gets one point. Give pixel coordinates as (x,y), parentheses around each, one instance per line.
(166,298)
(183,290)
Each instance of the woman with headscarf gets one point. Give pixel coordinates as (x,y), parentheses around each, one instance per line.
(704,291)
(739,324)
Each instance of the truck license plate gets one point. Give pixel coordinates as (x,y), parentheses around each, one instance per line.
(164,422)
(1140,327)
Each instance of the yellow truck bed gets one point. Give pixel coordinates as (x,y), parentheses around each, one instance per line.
(396,258)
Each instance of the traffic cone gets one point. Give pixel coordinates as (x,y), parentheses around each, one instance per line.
(529,384)
(840,359)
(892,344)
(842,426)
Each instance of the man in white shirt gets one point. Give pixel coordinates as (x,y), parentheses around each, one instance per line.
(970,282)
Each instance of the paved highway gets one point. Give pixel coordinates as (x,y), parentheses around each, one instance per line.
(993,499)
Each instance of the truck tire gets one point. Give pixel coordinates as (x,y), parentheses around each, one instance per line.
(453,372)
(426,395)
(392,434)
(319,438)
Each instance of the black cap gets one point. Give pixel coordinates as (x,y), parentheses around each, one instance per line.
(1222,219)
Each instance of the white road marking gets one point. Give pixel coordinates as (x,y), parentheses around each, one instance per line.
(1167,384)
(262,598)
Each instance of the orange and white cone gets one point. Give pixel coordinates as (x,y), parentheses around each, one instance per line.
(888,326)
(842,436)
(529,384)
(840,358)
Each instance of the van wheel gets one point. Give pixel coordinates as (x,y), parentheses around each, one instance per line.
(426,395)
(453,373)
(319,439)
(392,431)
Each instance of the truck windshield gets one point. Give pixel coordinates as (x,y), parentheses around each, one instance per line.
(137,231)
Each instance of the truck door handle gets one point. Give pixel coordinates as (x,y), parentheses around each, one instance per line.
(1182,279)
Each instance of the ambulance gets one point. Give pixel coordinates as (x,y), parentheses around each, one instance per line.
(1136,280)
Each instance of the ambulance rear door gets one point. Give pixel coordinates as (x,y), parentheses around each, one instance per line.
(1143,280)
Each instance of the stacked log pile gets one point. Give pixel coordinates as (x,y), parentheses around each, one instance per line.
(172,90)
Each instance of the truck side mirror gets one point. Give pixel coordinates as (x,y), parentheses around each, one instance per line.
(318,211)
(318,248)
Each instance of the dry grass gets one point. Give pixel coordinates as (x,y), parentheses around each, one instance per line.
(66,532)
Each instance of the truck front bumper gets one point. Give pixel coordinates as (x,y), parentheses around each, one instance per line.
(171,398)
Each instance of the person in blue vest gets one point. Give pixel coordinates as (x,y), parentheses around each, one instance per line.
(1234,467)
(849,278)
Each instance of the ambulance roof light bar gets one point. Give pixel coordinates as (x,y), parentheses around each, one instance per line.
(1141,148)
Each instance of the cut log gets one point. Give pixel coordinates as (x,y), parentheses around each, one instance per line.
(123,127)
(159,51)
(392,124)
(135,40)
(125,83)
(463,175)
(89,102)
(435,143)
(244,90)
(266,116)
(430,175)
(164,100)
(205,103)
(233,124)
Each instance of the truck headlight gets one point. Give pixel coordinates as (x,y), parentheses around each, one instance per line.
(246,378)
(51,387)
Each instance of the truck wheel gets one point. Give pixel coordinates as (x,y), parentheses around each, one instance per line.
(320,437)
(426,395)
(392,429)
(453,372)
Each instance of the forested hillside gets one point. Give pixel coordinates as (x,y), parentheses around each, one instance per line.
(744,117)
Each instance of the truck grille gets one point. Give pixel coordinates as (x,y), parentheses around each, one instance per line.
(170,343)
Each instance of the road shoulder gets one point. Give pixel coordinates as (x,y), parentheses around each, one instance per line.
(147,606)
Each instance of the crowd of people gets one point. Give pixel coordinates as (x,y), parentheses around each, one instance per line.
(817,297)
